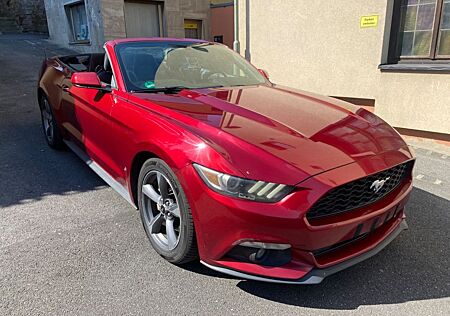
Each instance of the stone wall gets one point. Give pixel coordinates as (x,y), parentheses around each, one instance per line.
(28,15)
(113,19)
(106,20)
(175,12)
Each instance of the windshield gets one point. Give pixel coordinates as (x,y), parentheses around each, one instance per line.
(156,65)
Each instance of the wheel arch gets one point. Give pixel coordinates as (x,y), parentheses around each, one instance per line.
(147,150)
(139,159)
(42,91)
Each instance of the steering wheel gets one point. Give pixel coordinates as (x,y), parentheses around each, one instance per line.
(217,78)
(216,75)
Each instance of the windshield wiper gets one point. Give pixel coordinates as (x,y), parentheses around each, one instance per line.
(175,89)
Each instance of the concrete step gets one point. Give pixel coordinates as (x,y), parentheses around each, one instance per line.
(6,19)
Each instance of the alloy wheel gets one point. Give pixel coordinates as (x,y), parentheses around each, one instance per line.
(161,210)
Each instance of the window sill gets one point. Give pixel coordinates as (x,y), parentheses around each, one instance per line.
(433,68)
(87,42)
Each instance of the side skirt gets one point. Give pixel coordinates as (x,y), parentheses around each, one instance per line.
(101,172)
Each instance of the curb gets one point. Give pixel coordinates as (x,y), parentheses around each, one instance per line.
(437,146)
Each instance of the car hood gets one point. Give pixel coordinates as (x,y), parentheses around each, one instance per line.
(302,133)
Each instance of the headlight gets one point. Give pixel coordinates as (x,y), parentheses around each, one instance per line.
(243,188)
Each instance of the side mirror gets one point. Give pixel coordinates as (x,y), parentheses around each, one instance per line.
(89,80)
(86,80)
(264,73)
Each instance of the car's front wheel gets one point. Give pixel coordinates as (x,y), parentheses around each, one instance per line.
(165,213)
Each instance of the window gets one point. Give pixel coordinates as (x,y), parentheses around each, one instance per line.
(76,15)
(218,39)
(420,31)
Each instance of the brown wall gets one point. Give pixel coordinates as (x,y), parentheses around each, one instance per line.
(222,23)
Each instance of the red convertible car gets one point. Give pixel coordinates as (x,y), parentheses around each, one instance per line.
(258,180)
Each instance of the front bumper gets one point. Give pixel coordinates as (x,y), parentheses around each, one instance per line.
(222,223)
(316,276)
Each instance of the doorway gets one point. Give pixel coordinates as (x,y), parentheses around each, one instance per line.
(193,29)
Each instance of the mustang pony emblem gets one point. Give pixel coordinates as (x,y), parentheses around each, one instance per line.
(378,184)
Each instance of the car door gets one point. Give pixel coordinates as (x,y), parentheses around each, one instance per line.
(88,122)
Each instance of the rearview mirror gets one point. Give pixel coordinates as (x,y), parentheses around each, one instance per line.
(264,73)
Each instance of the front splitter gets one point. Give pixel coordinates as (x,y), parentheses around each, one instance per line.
(316,276)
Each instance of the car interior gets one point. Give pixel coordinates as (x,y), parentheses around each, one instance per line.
(90,62)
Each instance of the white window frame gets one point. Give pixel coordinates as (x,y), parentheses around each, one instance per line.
(69,14)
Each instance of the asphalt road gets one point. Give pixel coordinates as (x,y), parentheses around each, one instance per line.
(70,245)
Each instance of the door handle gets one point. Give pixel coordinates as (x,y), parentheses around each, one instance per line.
(65,88)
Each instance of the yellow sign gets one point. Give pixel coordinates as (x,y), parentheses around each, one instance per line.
(368,21)
(190,25)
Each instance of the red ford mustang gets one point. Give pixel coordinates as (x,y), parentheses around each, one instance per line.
(258,180)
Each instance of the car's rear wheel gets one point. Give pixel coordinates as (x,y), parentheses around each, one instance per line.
(49,125)
(165,213)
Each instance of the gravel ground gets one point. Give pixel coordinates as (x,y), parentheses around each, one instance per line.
(70,245)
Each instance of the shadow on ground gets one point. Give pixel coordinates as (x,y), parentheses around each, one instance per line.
(29,169)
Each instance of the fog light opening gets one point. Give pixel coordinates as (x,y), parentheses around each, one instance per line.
(266,254)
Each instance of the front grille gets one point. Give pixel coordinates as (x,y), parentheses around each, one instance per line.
(359,193)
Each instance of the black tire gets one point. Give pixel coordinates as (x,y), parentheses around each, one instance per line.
(186,248)
(50,126)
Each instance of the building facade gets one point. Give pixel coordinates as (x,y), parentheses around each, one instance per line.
(390,55)
(222,22)
(84,25)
